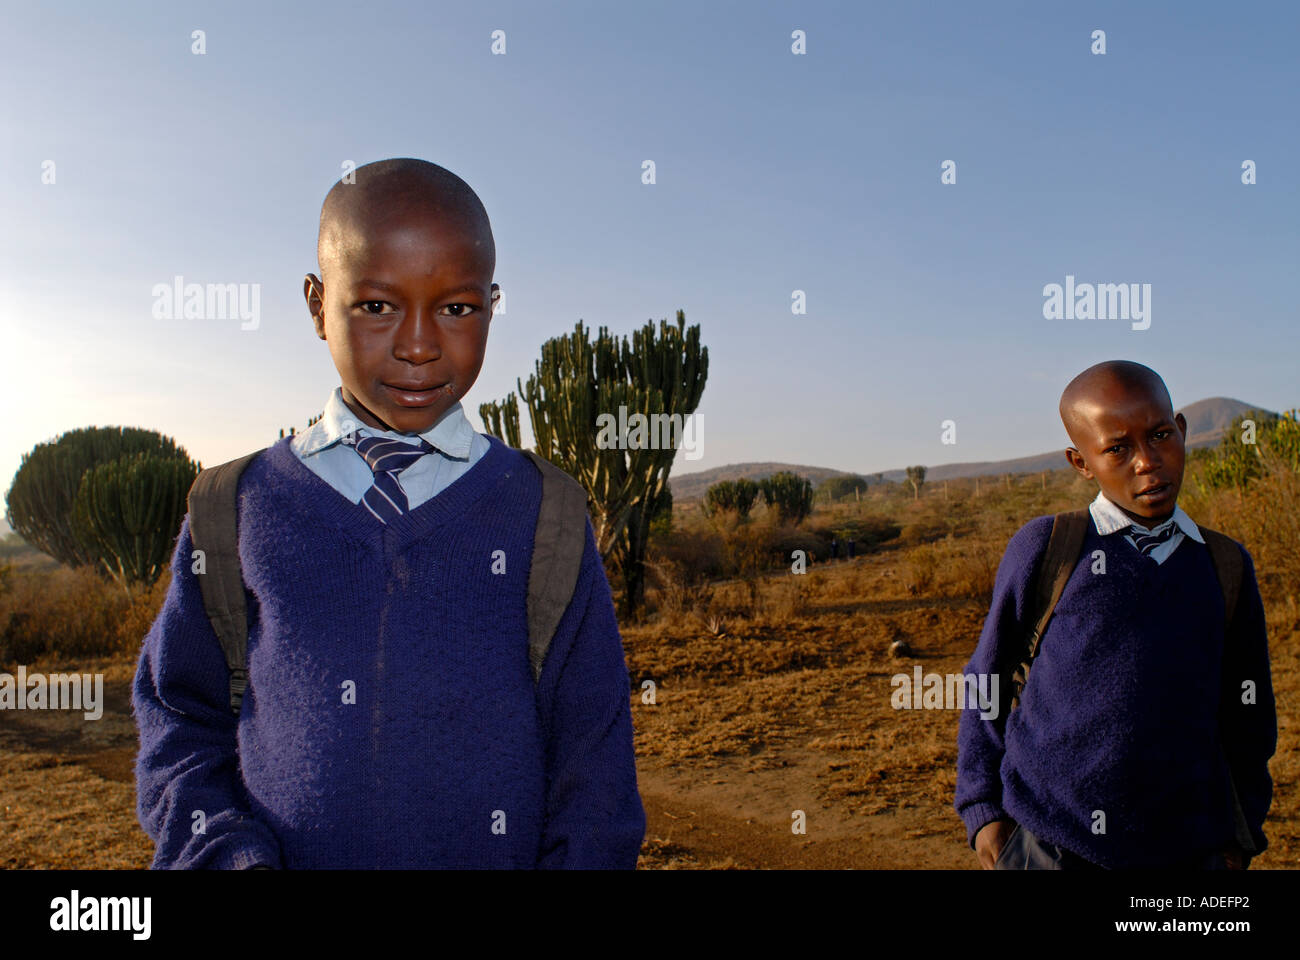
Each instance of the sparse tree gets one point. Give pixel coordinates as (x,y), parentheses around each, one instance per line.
(916,477)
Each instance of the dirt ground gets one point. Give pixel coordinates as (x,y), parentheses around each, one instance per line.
(780,709)
(67,786)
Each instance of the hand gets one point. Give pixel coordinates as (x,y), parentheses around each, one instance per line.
(990,840)
(1232,857)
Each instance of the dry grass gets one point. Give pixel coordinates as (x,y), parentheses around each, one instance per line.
(58,814)
(70,613)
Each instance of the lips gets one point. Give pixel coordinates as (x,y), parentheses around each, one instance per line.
(1154,490)
(415,387)
(420,395)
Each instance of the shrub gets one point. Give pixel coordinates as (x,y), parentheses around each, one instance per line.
(112,497)
(72,612)
(679,589)
(40,500)
(730,496)
(788,496)
(783,541)
(922,563)
(837,488)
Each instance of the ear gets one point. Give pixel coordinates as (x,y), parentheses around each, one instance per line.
(1182,424)
(313,290)
(1075,459)
(495,298)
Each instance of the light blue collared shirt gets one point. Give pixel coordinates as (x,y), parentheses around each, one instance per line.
(1110,518)
(321,448)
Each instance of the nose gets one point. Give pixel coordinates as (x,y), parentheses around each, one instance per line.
(1147,460)
(416,339)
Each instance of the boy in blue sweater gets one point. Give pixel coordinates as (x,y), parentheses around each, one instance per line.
(1117,756)
(391,717)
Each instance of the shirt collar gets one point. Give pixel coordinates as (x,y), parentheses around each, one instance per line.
(452,434)
(1110,519)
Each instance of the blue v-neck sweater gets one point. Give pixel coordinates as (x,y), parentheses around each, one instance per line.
(1116,751)
(391,718)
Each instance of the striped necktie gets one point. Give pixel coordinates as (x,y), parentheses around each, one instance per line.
(387,458)
(1146,542)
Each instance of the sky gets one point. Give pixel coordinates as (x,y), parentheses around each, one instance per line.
(775,172)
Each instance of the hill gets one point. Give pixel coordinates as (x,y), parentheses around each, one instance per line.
(1206,421)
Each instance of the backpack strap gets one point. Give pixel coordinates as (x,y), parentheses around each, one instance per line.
(558,545)
(1230,569)
(214,528)
(1058,562)
(1227,565)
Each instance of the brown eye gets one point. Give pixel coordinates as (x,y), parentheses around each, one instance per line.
(364,304)
(466,307)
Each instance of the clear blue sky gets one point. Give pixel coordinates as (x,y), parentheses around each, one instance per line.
(775,172)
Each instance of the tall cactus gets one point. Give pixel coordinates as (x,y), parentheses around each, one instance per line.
(502,420)
(789,495)
(576,391)
(39,503)
(127,514)
(728,495)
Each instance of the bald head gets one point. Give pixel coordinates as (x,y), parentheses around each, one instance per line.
(397,192)
(1098,387)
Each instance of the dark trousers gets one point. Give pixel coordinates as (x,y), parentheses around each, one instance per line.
(1024,851)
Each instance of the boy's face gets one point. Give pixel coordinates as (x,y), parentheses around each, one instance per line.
(406,317)
(1130,442)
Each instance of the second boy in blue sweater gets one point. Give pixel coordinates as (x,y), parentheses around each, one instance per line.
(1118,755)
(391,717)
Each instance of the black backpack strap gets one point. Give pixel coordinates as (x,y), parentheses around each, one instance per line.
(214,514)
(558,545)
(1054,570)
(1230,570)
(1227,566)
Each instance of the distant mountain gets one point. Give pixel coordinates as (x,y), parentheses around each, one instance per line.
(1206,421)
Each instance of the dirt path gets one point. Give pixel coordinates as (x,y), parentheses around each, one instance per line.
(733,816)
